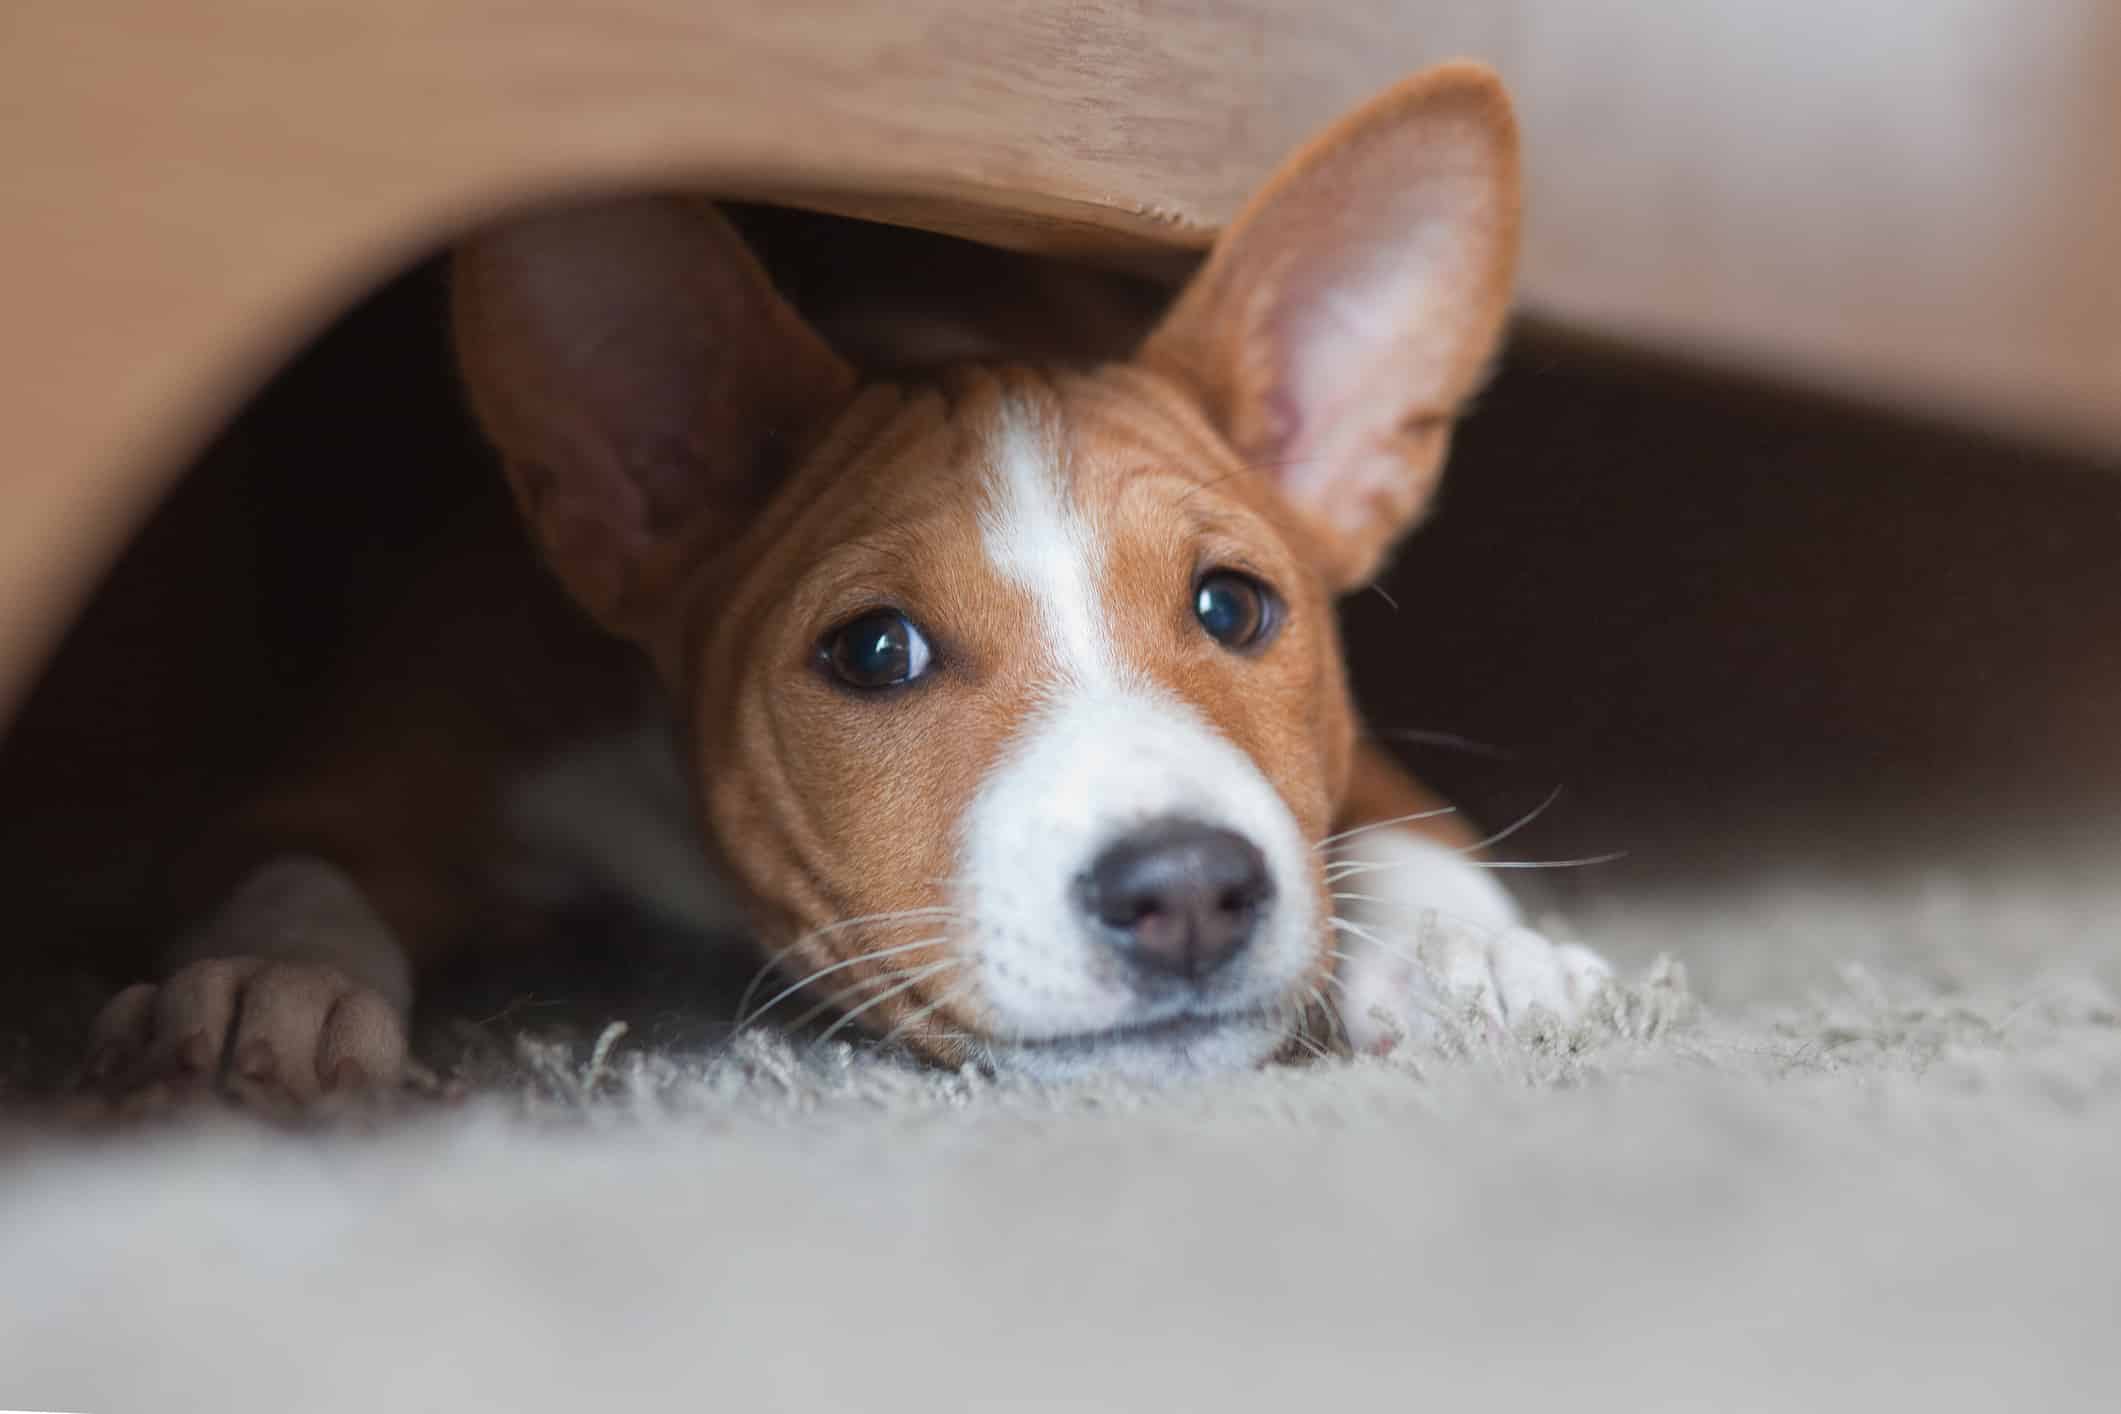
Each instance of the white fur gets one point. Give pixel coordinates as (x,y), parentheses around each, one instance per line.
(1103,754)
(1427,931)
(1039,541)
(615,812)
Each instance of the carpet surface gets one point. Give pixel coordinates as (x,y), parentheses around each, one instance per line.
(1826,1148)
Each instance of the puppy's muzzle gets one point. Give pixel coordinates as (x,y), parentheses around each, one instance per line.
(1176,899)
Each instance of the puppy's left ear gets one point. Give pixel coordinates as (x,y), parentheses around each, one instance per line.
(1348,312)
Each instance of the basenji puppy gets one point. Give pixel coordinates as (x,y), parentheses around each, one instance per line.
(1009,701)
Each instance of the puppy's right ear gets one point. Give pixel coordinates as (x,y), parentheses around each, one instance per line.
(645,384)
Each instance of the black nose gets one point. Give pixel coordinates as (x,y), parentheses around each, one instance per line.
(1177,897)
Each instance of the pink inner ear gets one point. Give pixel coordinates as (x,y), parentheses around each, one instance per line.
(1384,343)
(1348,312)
(1376,331)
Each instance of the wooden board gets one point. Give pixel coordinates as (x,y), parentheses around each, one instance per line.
(1922,209)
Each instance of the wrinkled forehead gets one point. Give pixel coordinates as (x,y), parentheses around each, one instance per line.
(1063,485)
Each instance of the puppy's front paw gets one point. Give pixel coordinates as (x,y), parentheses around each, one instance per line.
(1427,938)
(1444,971)
(272,1033)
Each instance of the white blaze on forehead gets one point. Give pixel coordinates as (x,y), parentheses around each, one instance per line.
(1038,539)
(1101,751)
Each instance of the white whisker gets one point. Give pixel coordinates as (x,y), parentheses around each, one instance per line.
(1288,1018)
(1308,1044)
(1355,930)
(1351,868)
(1332,1013)
(1523,820)
(1549,863)
(792,988)
(923,1014)
(846,994)
(1330,840)
(895,916)
(913,979)
(1340,873)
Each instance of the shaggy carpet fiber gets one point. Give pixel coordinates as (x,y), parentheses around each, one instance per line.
(1826,1148)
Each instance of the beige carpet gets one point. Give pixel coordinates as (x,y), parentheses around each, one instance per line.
(1861,1151)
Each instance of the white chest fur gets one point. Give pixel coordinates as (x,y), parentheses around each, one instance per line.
(614,813)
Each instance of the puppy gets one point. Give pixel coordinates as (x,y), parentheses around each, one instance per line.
(1008,700)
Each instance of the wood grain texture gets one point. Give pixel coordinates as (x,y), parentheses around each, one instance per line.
(1922,206)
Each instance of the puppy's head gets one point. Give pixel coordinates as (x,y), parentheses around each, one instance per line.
(1014,694)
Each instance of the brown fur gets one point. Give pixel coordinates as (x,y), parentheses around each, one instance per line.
(830,806)
(1230,441)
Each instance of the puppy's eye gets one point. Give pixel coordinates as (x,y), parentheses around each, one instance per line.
(880,649)
(1237,610)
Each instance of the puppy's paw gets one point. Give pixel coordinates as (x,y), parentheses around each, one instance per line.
(1428,939)
(271,1033)
(1446,973)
